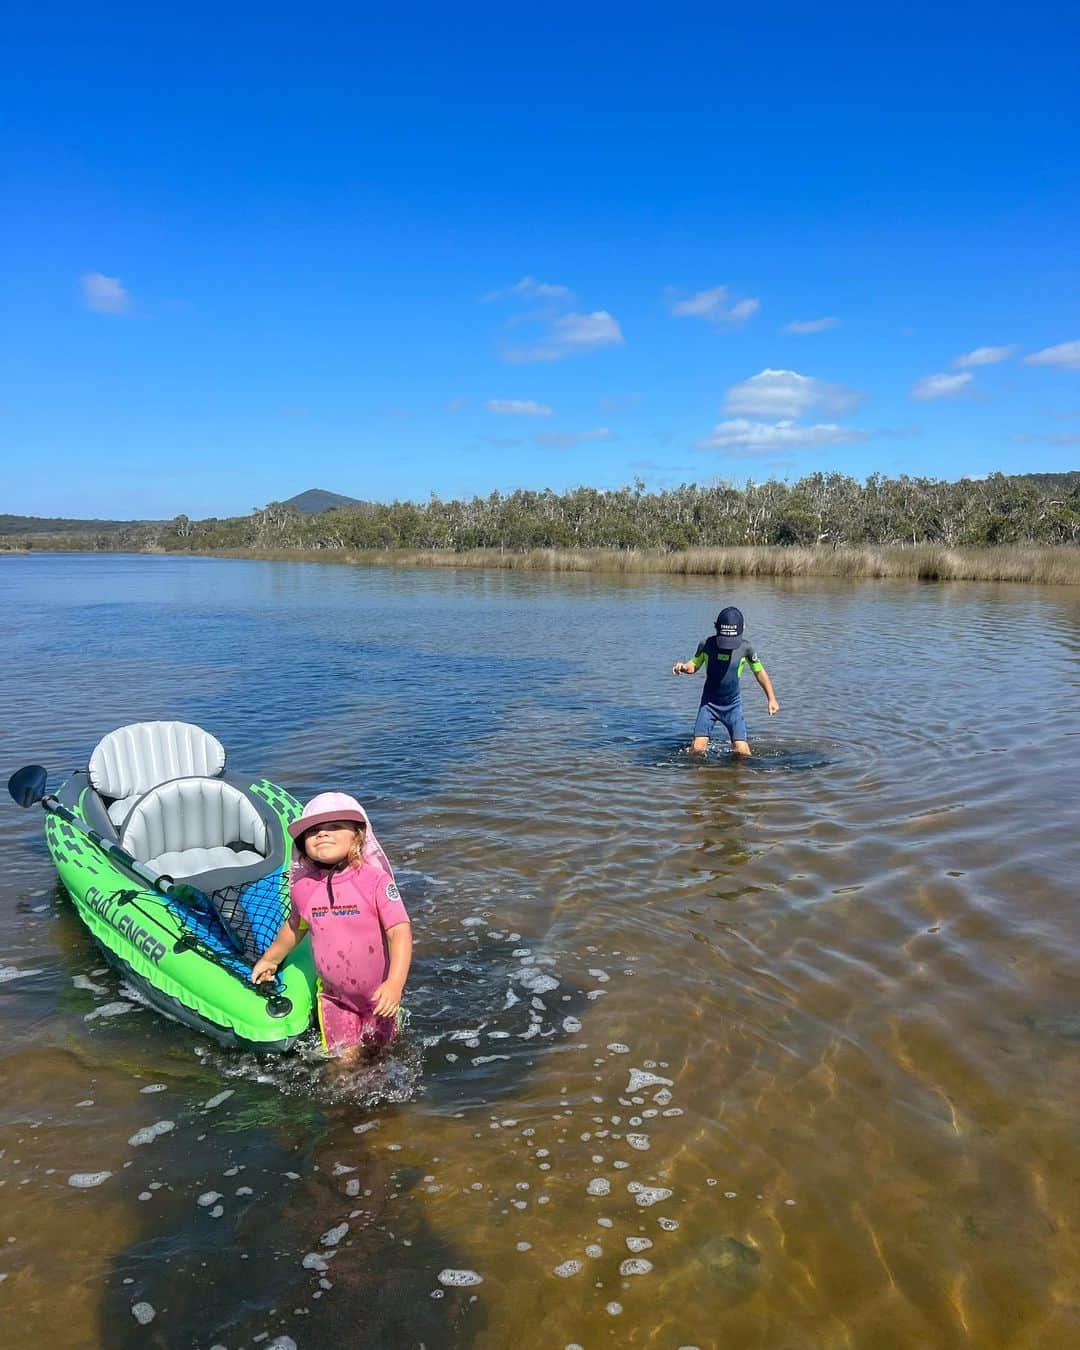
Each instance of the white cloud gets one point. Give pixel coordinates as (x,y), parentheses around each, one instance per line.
(571,335)
(714,305)
(787,394)
(531,289)
(563,440)
(802,326)
(519,407)
(941,386)
(1065,354)
(984,356)
(746,439)
(105,294)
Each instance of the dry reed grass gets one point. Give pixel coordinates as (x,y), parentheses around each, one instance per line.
(1052,566)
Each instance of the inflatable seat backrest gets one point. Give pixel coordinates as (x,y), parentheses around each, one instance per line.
(133,759)
(193,813)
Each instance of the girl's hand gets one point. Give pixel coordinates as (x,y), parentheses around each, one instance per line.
(774,706)
(386,1000)
(263,970)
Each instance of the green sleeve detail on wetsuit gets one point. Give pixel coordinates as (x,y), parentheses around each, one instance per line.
(756,667)
(699,657)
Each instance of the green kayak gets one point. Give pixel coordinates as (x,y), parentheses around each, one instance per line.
(181,875)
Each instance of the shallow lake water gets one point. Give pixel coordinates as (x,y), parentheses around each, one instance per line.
(776,1054)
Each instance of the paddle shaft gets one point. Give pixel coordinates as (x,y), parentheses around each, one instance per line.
(119,855)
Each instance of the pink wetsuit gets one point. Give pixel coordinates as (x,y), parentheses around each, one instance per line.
(349,913)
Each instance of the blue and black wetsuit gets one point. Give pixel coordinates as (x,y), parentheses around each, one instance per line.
(721,700)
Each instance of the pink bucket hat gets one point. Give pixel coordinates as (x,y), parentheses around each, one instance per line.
(339,806)
(328,806)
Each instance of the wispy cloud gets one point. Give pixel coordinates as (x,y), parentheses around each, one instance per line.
(1065,354)
(787,394)
(747,440)
(519,407)
(941,386)
(715,305)
(571,335)
(528,288)
(106,295)
(984,356)
(804,326)
(565,440)
(1051,438)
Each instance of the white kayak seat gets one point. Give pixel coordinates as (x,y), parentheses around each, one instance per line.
(118,810)
(133,759)
(195,825)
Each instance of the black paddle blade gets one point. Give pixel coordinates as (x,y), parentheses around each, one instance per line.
(27,785)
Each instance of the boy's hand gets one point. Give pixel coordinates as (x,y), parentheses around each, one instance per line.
(774,706)
(386,1000)
(263,970)
(682,668)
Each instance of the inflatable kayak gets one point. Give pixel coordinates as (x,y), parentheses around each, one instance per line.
(181,875)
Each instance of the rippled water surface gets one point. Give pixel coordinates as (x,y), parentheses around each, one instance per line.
(780,1054)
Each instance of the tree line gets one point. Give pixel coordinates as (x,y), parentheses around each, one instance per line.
(827,510)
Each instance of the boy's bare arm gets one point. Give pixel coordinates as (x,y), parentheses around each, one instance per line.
(762,677)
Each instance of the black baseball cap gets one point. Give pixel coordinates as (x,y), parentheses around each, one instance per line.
(729,628)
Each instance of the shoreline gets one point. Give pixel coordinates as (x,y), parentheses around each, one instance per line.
(1054,565)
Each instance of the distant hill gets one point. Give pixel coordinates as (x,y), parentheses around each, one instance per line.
(315,501)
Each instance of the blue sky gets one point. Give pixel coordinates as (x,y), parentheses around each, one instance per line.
(471,247)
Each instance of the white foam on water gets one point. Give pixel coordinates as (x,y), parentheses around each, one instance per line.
(571,1025)
(594,1250)
(84,1180)
(149,1133)
(352,1187)
(315,1261)
(635,1265)
(474,921)
(218,1098)
(730,1195)
(154,1087)
(606,1223)
(143,1313)
(600,975)
(281,1343)
(638,1141)
(536,982)
(459,1279)
(14,973)
(367,1125)
(620,1164)
(568,1268)
(89,1101)
(651,1195)
(639,1244)
(333,1236)
(487,1059)
(85,982)
(217,1211)
(613,1309)
(524,1246)
(598,1186)
(116,1009)
(341,1170)
(617,1048)
(662,1098)
(643,1078)
(668,1225)
(208,1198)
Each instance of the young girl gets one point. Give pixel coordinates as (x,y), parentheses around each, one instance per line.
(343,890)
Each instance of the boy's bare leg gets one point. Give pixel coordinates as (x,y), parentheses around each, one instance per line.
(741,747)
(699,745)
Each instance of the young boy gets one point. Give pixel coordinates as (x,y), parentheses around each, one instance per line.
(724,657)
